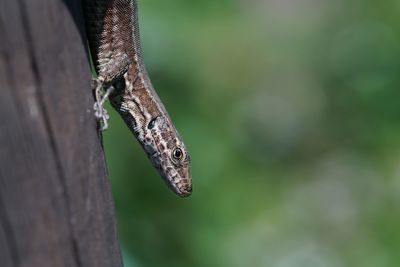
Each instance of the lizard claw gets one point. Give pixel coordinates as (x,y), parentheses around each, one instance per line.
(102,115)
(99,111)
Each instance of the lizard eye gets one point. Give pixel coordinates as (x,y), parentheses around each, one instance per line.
(177,153)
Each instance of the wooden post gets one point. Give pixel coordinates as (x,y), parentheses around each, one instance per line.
(56,207)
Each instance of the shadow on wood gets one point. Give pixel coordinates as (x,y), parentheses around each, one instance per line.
(56,207)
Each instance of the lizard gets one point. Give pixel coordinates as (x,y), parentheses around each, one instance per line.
(114,43)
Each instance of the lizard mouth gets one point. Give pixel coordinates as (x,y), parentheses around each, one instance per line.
(179,188)
(185,191)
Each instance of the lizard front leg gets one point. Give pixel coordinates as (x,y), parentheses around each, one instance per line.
(102,86)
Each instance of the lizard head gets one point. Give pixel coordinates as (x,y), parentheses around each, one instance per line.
(168,154)
(158,137)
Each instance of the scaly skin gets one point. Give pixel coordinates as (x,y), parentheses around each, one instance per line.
(114,42)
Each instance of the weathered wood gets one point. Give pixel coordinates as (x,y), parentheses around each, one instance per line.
(56,207)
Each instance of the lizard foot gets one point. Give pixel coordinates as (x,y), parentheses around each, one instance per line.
(101,97)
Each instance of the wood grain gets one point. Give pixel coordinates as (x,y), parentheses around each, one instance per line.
(56,207)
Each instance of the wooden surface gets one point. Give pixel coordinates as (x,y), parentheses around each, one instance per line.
(56,207)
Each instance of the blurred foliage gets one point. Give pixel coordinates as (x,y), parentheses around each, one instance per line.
(290,111)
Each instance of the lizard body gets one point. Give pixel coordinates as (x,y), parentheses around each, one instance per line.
(113,34)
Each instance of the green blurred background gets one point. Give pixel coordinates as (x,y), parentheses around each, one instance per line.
(290,110)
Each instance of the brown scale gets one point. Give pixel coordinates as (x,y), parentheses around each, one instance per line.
(147,101)
(110,36)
